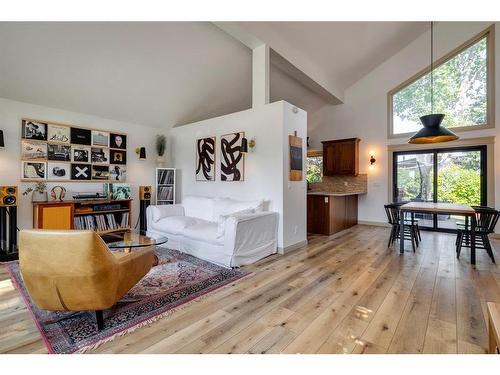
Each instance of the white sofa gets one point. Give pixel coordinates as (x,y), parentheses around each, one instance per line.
(220,230)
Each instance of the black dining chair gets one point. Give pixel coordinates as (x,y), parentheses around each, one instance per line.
(411,220)
(410,229)
(486,220)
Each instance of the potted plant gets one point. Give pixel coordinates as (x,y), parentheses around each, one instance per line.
(39,191)
(161,146)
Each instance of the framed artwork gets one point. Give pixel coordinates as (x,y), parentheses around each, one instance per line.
(80,154)
(34,130)
(100,138)
(117,157)
(295,144)
(81,136)
(205,159)
(32,170)
(33,150)
(232,161)
(99,155)
(118,141)
(58,152)
(100,172)
(58,171)
(58,133)
(120,191)
(117,173)
(81,172)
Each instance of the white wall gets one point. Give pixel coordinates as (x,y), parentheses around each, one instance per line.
(138,172)
(364,112)
(265,168)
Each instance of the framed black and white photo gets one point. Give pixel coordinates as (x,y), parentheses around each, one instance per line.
(118,141)
(232,161)
(99,155)
(117,157)
(34,130)
(32,170)
(58,152)
(58,171)
(100,138)
(100,172)
(117,173)
(205,159)
(81,172)
(81,136)
(33,150)
(80,154)
(58,133)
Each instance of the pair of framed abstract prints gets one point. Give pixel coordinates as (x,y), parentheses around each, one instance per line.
(58,152)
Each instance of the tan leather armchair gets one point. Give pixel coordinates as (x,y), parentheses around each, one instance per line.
(74,270)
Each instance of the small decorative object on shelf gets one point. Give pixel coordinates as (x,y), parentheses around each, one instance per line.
(62,193)
(39,192)
(161,146)
(165,186)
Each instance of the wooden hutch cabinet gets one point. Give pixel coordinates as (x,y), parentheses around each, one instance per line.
(341,157)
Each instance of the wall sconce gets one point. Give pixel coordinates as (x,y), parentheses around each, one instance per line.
(372,161)
(2,144)
(141,151)
(245,144)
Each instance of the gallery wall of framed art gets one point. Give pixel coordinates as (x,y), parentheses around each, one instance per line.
(59,152)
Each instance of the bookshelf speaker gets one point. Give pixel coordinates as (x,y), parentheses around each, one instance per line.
(144,193)
(8,196)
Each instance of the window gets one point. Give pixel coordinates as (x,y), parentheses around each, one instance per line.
(462,87)
(314,166)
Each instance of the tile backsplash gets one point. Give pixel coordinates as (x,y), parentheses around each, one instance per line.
(341,184)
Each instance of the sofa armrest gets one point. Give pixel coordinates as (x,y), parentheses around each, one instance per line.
(155,213)
(246,232)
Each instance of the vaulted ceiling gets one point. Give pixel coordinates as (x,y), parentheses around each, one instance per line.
(165,74)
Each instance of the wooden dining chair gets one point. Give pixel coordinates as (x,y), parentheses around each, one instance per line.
(486,220)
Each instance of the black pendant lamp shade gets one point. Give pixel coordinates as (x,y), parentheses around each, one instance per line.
(432,132)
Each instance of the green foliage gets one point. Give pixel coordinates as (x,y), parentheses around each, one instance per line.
(39,187)
(161,144)
(460,91)
(459,185)
(314,169)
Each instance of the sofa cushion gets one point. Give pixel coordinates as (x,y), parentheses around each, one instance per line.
(199,207)
(204,231)
(228,206)
(174,224)
(221,222)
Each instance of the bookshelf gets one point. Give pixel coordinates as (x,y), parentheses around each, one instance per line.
(102,216)
(165,186)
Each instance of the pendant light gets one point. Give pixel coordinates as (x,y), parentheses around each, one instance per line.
(432,132)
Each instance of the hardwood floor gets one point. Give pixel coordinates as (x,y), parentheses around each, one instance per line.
(348,295)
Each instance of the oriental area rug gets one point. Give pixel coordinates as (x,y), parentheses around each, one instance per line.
(177,280)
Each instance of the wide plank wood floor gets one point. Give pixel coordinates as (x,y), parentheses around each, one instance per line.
(347,295)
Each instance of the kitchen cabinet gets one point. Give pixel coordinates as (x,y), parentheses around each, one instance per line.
(330,214)
(341,157)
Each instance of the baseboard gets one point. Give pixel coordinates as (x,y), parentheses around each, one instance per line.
(293,247)
(375,223)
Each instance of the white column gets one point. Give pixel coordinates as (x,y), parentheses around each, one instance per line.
(260,75)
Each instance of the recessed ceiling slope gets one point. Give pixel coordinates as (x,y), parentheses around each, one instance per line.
(157,74)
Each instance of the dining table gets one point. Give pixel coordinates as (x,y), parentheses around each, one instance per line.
(442,209)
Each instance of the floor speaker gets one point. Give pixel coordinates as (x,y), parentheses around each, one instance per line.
(144,202)
(8,196)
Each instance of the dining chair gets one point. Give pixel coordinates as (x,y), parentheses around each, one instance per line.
(410,228)
(486,220)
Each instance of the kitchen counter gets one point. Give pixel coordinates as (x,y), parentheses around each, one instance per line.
(331,194)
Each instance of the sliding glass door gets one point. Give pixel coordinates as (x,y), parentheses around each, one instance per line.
(454,175)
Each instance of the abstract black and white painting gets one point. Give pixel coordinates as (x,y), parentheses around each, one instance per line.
(205,159)
(81,154)
(34,130)
(100,155)
(33,150)
(58,171)
(80,172)
(232,161)
(59,152)
(59,133)
(34,170)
